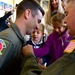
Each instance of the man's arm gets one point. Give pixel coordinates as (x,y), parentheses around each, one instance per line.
(30,65)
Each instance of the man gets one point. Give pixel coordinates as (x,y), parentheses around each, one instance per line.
(29,15)
(63,66)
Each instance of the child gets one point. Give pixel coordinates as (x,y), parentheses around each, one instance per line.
(56,41)
(37,40)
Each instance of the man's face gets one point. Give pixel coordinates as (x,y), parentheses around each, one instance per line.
(70,18)
(34,22)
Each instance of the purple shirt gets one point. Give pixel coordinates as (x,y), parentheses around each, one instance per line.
(54,45)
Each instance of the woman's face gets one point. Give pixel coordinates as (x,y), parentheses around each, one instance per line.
(55,3)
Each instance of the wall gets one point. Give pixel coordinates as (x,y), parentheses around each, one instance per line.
(11,2)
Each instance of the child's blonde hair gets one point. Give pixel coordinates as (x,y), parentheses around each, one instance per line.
(57,18)
(41,27)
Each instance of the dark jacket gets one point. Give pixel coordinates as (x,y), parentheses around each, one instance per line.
(3,23)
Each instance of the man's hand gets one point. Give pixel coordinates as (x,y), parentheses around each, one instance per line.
(27,49)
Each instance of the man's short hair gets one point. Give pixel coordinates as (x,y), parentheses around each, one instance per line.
(28,4)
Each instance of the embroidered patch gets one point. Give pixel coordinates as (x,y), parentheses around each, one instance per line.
(2,45)
(70,47)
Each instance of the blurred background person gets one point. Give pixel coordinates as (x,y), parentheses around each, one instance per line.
(5,20)
(54,6)
(64,3)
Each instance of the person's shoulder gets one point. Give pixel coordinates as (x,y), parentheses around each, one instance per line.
(7,33)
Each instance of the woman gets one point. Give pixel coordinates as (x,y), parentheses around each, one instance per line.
(54,6)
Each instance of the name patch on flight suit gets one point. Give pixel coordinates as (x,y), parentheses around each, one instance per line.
(70,47)
(2,45)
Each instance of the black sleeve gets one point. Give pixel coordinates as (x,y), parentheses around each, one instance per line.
(7,15)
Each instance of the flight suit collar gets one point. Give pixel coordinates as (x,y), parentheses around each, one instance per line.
(17,31)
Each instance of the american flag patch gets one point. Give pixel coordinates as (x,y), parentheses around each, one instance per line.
(70,47)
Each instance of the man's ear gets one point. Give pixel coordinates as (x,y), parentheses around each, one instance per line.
(27,13)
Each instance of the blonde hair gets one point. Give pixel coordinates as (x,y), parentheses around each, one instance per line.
(41,27)
(50,10)
(57,18)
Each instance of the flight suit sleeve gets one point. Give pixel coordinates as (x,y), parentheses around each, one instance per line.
(6,51)
(30,66)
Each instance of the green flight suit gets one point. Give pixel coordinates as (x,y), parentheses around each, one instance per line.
(11,43)
(63,66)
